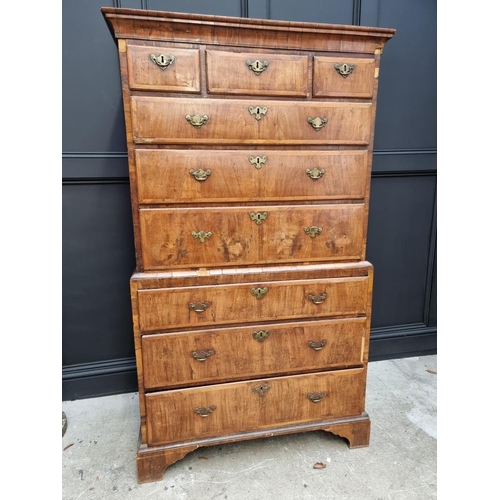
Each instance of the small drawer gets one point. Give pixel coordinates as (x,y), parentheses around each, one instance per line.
(167,69)
(230,354)
(343,77)
(214,305)
(188,176)
(226,236)
(256,73)
(165,120)
(222,410)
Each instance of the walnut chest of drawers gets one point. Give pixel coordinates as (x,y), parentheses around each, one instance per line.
(250,148)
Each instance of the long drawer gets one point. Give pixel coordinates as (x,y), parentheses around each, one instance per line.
(165,120)
(223,236)
(225,354)
(225,409)
(215,305)
(187,176)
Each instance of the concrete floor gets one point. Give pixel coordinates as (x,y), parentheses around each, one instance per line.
(99,446)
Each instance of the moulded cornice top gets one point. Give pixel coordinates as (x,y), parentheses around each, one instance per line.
(176,26)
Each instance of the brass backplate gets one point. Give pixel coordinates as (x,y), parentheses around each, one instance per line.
(313,231)
(201,235)
(257,66)
(316,345)
(259,292)
(258,217)
(197,120)
(257,161)
(317,298)
(257,111)
(344,69)
(202,356)
(200,174)
(315,173)
(161,60)
(261,389)
(205,411)
(317,123)
(260,335)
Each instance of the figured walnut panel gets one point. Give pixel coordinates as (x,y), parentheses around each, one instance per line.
(168,308)
(162,120)
(233,238)
(167,176)
(173,359)
(238,407)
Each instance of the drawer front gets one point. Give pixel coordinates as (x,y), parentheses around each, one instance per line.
(187,176)
(219,355)
(256,73)
(180,74)
(343,77)
(164,120)
(225,409)
(223,236)
(215,305)
(200,237)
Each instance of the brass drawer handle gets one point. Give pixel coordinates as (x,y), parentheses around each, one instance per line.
(205,411)
(315,173)
(259,217)
(261,389)
(257,66)
(202,356)
(197,120)
(200,174)
(260,335)
(317,299)
(199,307)
(257,161)
(316,345)
(259,292)
(313,231)
(257,111)
(162,61)
(344,69)
(317,123)
(315,397)
(201,235)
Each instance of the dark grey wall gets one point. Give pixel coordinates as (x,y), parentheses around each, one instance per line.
(98,252)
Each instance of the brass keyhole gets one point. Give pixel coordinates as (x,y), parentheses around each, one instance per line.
(257,161)
(257,111)
(258,217)
(345,69)
(259,292)
(161,60)
(260,335)
(257,67)
(261,389)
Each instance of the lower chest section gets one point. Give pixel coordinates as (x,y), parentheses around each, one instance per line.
(232,351)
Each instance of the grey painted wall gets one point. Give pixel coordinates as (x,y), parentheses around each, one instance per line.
(98,252)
